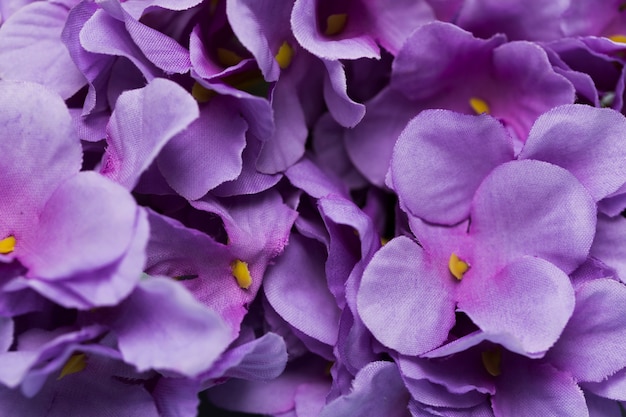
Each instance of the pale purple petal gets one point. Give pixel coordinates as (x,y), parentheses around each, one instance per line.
(297,289)
(528,200)
(441,158)
(136,8)
(307,176)
(181,335)
(591,346)
(207,153)
(406,301)
(31,49)
(343,109)
(38,137)
(614,387)
(141,124)
(609,245)
(587,141)
(529,299)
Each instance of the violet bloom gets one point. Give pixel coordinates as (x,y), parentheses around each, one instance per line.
(79,236)
(589,18)
(442,66)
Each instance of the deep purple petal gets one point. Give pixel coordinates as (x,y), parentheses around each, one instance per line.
(441,158)
(587,141)
(141,124)
(528,200)
(406,301)
(343,109)
(189,336)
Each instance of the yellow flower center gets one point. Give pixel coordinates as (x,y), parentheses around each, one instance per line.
(7,245)
(241,274)
(457,267)
(335,24)
(74,364)
(618,38)
(491,361)
(479,105)
(284,55)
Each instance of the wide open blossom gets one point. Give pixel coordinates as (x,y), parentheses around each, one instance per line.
(79,236)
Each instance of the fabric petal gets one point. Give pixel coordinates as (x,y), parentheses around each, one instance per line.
(528,200)
(377,390)
(345,111)
(441,158)
(37,137)
(529,389)
(297,289)
(609,245)
(587,141)
(207,153)
(529,298)
(31,49)
(590,348)
(405,301)
(189,336)
(141,124)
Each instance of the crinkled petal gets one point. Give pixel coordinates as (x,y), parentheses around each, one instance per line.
(346,111)
(441,158)
(406,302)
(529,298)
(143,121)
(31,49)
(189,336)
(587,141)
(377,390)
(590,348)
(519,210)
(614,387)
(609,245)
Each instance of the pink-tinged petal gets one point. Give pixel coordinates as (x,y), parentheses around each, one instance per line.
(297,289)
(590,348)
(207,153)
(189,336)
(143,121)
(519,210)
(37,137)
(531,20)
(441,158)
(406,301)
(587,141)
(370,143)
(343,109)
(529,299)
(351,43)
(609,245)
(377,390)
(529,389)
(31,49)
(286,145)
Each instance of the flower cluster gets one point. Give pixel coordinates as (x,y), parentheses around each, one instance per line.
(304,208)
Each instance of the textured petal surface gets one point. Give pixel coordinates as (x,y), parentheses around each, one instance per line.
(609,245)
(441,158)
(528,200)
(31,49)
(590,348)
(181,335)
(587,141)
(405,301)
(141,124)
(530,299)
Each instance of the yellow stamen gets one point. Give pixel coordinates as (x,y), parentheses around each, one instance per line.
(7,245)
(384,241)
(74,364)
(491,361)
(241,274)
(457,267)
(335,23)
(284,55)
(618,38)
(201,94)
(479,105)
(228,58)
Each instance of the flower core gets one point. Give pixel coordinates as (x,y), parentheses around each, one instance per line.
(242,274)
(479,105)
(335,23)
(74,364)
(7,245)
(457,267)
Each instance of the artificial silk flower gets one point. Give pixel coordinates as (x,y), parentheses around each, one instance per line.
(63,210)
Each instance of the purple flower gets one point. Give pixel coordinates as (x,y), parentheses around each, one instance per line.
(62,210)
